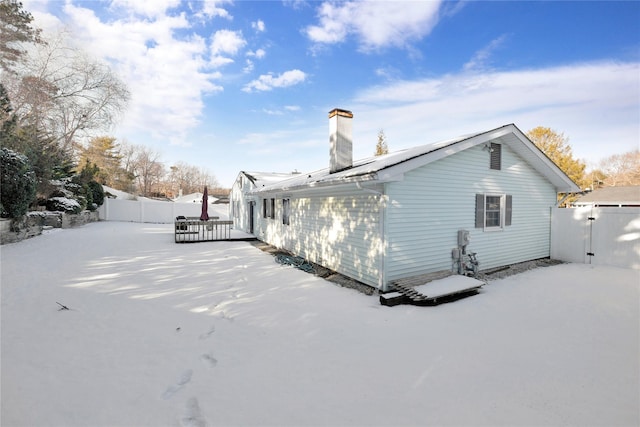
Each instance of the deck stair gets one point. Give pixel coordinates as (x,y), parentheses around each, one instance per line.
(431,290)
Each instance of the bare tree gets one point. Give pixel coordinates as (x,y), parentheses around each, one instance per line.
(148,169)
(621,169)
(65,92)
(187,179)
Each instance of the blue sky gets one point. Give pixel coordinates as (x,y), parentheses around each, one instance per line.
(247,85)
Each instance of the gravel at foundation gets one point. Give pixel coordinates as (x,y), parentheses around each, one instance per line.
(346,282)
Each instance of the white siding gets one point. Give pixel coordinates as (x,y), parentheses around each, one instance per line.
(433,202)
(239,203)
(340,232)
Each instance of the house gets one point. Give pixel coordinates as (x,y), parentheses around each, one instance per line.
(623,196)
(243,202)
(399,215)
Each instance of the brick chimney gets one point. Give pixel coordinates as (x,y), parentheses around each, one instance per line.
(340,140)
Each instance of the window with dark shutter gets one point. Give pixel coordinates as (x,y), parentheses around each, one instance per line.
(479,210)
(508,210)
(496,156)
(493,211)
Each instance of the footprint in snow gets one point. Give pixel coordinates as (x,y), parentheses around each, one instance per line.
(207,334)
(193,415)
(174,388)
(208,360)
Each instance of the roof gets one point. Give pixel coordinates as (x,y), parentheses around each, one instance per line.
(391,167)
(261,179)
(193,198)
(612,195)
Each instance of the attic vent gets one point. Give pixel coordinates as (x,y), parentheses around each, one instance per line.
(496,156)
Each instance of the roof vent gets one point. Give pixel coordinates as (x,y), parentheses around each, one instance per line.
(340,140)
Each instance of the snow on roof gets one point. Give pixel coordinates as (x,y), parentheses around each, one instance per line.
(262,179)
(193,198)
(361,168)
(122,195)
(387,167)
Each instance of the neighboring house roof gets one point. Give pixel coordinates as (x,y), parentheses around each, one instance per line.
(625,195)
(391,167)
(193,198)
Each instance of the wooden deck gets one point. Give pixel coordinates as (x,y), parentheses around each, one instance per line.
(192,230)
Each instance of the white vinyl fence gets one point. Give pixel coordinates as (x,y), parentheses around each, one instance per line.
(155,211)
(604,236)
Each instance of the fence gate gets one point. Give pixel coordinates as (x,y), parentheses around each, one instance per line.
(604,236)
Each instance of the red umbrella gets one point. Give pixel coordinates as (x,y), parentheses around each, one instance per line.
(204,216)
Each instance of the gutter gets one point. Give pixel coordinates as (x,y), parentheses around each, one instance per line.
(350,180)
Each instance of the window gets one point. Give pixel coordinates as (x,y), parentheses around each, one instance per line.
(496,156)
(265,208)
(286,203)
(493,211)
(272,210)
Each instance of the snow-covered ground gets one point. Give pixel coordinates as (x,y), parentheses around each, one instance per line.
(165,334)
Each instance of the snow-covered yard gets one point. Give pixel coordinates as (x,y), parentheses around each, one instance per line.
(165,334)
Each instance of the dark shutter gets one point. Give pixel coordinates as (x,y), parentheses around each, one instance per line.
(496,156)
(479,210)
(508,210)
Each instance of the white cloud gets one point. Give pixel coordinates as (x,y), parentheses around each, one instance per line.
(594,104)
(227,41)
(249,66)
(258,26)
(481,58)
(267,82)
(260,53)
(211,9)
(272,112)
(166,75)
(148,8)
(375,24)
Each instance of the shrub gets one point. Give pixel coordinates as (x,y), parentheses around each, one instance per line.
(18,184)
(63,204)
(96,191)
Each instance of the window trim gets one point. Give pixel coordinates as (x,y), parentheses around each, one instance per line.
(505,211)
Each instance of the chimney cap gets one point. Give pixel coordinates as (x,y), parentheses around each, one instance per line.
(340,112)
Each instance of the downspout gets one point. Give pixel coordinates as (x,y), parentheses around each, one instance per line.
(382,286)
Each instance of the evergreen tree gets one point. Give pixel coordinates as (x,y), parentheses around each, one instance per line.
(17,184)
(104,153)
(15,28)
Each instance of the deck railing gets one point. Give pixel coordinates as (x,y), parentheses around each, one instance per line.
(190,230)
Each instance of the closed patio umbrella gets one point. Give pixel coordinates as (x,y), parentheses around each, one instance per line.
(204,216)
